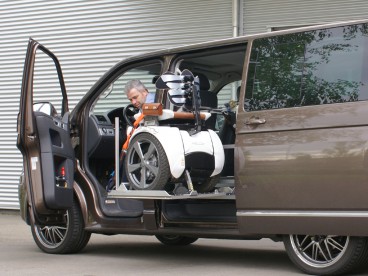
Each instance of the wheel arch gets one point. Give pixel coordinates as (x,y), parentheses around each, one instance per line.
(81,201)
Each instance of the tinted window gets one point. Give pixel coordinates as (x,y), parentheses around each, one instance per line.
(308,68)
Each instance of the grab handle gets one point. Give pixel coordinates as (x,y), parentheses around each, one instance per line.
(255,121)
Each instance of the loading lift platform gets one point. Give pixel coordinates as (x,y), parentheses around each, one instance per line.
(224,190)
(160,194)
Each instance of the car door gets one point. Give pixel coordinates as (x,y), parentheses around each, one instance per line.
(301,148)
(44,138)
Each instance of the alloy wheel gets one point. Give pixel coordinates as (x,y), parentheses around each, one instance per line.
(52,236)
(319,251)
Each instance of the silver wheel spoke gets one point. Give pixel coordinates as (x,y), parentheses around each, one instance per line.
(304,240)
(150,151)
(46,232)
(58,233)
(152,169)
(305,248)
(314,251)
(320,250)
(143,177)
(133,167)
(138,150)
(328,249)
(335,244)
(53,236)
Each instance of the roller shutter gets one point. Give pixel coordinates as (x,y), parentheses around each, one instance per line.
(89,37)
(264,15)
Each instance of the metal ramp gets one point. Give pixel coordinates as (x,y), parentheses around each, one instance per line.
(160,194)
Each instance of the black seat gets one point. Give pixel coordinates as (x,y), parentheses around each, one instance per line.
(208,99)
(227,136)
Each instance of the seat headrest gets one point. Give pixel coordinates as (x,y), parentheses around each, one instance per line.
(204,83)
(154,79)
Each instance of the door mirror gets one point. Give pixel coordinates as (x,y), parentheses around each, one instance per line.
(45,107)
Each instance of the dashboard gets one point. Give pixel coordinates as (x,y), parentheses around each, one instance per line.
(101,133)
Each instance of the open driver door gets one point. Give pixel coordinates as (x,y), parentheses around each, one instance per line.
(44,140)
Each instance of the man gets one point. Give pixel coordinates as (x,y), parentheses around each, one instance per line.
(138,94)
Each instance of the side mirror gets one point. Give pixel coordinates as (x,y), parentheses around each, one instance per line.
(45,107)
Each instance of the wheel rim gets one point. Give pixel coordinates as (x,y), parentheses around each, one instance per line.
(319,251)
(52,236)
(143,164)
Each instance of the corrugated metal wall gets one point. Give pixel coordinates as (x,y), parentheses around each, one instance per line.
(262,15)
(89,37)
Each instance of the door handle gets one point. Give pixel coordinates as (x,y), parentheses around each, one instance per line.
(255,121)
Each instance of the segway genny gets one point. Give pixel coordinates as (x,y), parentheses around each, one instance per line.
(172,150)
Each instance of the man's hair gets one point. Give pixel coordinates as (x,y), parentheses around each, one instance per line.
(137,84)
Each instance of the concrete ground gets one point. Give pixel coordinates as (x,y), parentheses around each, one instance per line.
(139,255)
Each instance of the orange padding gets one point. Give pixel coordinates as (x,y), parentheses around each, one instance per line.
(135,125)
(187,115)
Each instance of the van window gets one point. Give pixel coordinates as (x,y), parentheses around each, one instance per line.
(115,96)
(46,85)
(219,71)
(308,68)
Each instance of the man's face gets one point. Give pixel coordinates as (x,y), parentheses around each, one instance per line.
(136,97)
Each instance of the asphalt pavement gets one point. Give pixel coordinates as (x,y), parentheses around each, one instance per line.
(139,255)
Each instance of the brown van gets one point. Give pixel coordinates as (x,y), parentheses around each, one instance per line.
(262,136)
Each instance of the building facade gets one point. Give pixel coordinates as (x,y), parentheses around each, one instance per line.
(89,37)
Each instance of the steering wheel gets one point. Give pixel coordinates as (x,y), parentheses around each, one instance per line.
(128,113)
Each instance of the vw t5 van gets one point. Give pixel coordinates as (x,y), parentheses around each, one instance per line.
(262,136)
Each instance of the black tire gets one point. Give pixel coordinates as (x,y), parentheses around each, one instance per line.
(326,255)
(174,240)
(207,185)
(146,164)
(63,239)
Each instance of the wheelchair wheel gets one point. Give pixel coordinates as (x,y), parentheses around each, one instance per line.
(146,164)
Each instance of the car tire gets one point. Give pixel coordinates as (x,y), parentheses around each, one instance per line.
(174,240)
(146,164)
(207,185)
(62,239)
(326,255)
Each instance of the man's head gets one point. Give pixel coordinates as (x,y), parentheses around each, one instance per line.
(136,92)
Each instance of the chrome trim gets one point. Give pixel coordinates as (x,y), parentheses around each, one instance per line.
(117,159)
(229,146)
(149,212)
(355,214)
